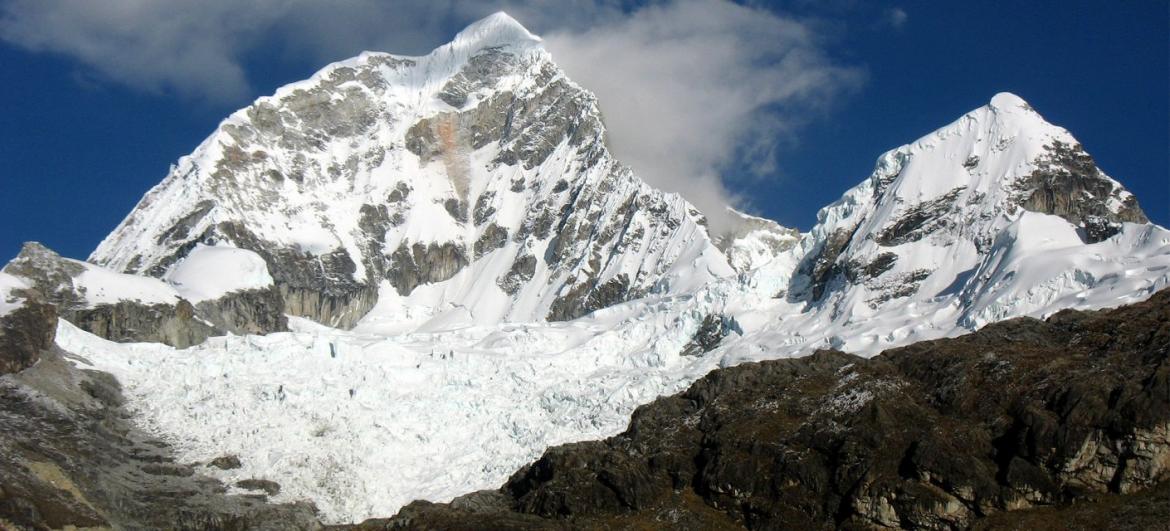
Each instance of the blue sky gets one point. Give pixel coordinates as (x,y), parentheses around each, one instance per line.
(96,113)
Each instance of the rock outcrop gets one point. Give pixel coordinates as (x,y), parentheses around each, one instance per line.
(25,333)
(70,459)
(938,435)
(128,308)
(131,322)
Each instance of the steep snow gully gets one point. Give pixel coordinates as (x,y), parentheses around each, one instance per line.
(472,278)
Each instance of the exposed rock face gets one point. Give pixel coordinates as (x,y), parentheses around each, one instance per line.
(710,333)
(588,296)
(936,435)
(69,459)
(257,311)
(319,286)
(920,220)
(822,265)
(423,264)
(51,275)
(160,317)
(25,334)
(175,325)
(1068,183)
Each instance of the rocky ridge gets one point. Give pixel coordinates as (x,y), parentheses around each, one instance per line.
(138,309)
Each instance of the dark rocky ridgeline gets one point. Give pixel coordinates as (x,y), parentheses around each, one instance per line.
(179,325)
(69,458)
(1061,423)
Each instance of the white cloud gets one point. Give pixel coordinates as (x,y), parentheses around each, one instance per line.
(198,48)
(688,87)
(148,45)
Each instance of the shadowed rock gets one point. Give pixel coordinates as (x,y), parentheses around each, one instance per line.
(25,333)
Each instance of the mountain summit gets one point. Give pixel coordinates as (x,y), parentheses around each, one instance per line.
(472,183)
(996,215)
(497,29)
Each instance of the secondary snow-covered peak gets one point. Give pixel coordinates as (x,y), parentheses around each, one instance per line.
(497,29)
(755,241)
(929,224)
(1003,156)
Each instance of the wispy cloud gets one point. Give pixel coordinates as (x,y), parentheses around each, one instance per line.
(688,87)
(895,17)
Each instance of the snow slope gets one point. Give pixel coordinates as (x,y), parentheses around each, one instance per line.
(102,286)
(208,273)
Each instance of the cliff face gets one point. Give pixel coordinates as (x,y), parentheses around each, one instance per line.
(25,333)
(129,308)
(1022,414)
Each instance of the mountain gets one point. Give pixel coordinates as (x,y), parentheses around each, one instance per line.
(997,215)
(472,184)
(407,277)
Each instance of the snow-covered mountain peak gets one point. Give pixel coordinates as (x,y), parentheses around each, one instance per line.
(1008,102)
(497,29)
(941,217)
(1002,156)
(473,183)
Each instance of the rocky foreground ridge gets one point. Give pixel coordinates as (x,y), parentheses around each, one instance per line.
(1071,415)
